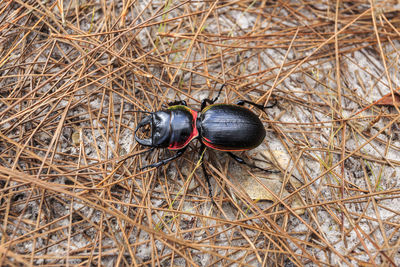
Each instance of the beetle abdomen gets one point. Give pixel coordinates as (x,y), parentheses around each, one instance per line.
(230,127)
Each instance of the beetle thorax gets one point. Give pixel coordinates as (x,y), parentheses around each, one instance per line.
(173,128)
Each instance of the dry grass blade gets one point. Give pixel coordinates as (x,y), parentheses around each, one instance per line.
(71,186)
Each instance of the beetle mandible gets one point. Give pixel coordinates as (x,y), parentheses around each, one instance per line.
(224,127)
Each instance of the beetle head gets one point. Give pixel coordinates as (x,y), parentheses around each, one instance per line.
(160,129)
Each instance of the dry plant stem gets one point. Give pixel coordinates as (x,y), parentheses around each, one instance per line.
(71,188)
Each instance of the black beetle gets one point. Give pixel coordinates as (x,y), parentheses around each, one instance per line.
(224,127)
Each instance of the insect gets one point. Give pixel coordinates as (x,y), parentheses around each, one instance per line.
(224,127)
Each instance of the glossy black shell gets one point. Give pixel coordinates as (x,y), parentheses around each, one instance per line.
(182,127)
(173,128)
(230,128)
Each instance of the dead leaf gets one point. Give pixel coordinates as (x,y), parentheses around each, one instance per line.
(389,100)
(256,191)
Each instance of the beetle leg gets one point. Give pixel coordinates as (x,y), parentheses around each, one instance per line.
(204,103)
(203,147)
(209,101)
(165,161)
(261,107)
(178,102)
(206,176)
(242,161)
(208,181)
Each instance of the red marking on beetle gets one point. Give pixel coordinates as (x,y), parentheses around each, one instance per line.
(193,135)
(208,143)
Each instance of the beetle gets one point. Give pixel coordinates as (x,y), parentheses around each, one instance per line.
(224,127)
